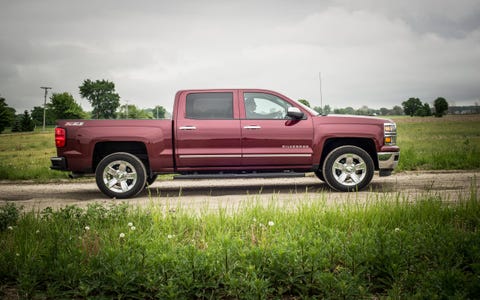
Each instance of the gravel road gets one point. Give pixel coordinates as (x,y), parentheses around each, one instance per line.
(230,194)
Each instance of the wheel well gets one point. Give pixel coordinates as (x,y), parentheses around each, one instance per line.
(366,144)
(103,149)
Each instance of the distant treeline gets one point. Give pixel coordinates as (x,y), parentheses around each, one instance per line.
(464,110)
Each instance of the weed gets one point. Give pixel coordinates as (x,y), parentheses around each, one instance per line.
(9,215)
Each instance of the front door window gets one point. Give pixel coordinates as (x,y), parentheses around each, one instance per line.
(262,106)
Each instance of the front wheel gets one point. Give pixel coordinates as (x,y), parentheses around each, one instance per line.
(120,175)
(348,168)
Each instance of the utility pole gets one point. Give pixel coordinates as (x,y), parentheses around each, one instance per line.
(46,88)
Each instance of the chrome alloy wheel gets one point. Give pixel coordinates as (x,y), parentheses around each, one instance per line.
(349,169)
(120,176)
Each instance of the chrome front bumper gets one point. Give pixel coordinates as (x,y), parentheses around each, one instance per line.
(387,161)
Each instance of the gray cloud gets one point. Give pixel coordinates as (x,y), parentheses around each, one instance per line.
(371,52)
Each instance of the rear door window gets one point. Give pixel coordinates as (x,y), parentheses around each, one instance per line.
(209,106)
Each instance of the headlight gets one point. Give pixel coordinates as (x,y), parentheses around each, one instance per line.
(390,134)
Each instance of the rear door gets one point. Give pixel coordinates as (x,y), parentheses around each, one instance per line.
(207,130)
(269,137)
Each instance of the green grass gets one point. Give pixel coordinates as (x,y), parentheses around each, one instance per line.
(449,143)
(389,248)
(26,156)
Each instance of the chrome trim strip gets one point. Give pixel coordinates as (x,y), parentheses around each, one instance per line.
(210,155)
(239,156)
(276,155)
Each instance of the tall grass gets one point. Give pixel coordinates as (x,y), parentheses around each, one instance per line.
(387,248)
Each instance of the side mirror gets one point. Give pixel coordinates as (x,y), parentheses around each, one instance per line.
(295,113)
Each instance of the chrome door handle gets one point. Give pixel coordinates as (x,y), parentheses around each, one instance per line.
(252,127)
(188,128)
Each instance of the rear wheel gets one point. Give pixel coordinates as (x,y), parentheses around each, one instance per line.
(348,168)
(120,175)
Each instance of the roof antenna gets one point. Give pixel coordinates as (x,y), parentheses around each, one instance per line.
(321,97)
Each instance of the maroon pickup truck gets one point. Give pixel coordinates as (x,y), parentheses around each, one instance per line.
(228,133)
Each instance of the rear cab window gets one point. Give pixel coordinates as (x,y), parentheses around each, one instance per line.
(209,106)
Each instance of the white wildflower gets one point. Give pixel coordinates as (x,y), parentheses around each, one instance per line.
(87,228)
(132,228)
(270,223)
(10,228)
(397,229)
(37,232)
(130,224)
(170,236)
(254,220)
(122,235)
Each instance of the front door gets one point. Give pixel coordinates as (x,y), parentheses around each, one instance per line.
(270,138)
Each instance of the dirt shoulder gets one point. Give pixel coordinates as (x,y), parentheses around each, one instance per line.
(212,194)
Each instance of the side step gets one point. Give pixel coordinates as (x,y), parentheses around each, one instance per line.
(239,175)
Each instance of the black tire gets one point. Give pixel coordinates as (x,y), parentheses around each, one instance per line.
(120,175)
(348,168)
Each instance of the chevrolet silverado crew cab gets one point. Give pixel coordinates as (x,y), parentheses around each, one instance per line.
(228,133)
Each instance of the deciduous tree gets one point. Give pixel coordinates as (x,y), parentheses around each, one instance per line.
(441,107)
(425,111)
(64,106)
(397,111)
(412,106)
(102,97)
(159,112)
(304,102)
(134,112)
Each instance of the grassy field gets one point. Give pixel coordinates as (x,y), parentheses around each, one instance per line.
(26,156)
(448,143)
(390,248)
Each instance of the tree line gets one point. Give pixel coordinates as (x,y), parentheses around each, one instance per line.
(100,94)
(411,107)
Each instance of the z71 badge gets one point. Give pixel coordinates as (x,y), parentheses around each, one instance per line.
(74,124)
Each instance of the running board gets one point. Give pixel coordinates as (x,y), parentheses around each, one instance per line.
(240,175)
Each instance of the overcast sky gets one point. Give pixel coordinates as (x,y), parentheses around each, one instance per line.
(372,52)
